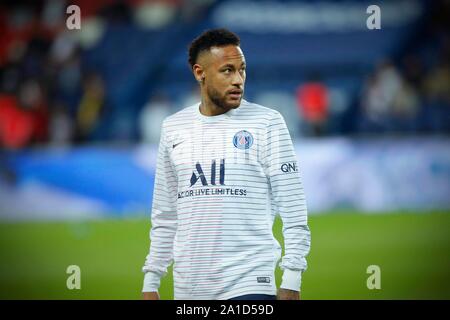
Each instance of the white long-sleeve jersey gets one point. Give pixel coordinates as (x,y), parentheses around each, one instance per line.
(220,181)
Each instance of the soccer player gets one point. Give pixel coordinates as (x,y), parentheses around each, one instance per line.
(225,168)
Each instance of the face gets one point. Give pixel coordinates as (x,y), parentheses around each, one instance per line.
(223,69)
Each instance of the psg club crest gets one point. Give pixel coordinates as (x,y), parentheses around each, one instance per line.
(243,140)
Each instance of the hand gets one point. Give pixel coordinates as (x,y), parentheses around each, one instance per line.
(150,296)
(286,294)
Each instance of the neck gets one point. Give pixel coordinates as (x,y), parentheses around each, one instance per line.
(209,108)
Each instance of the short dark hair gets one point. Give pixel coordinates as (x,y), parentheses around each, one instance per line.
(211,38)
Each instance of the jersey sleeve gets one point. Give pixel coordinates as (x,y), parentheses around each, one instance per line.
(163,218)
(281,167)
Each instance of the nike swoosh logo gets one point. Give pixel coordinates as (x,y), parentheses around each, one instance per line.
(173,147)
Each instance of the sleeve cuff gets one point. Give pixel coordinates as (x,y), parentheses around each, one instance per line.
(151,282)
(291,280)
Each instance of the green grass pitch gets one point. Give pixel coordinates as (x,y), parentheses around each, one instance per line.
(412,250)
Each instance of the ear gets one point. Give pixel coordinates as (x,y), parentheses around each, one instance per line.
(199,72)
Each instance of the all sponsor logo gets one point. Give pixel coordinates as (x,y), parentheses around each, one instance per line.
(198,174)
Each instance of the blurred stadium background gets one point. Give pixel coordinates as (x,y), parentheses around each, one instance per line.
(80,113)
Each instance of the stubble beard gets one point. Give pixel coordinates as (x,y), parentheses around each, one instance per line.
(219,100)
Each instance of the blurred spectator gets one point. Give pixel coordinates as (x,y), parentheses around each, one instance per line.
(154,14)
(382,90)
(413,70)
(24,118)
(437,93)
(91,105)
(390,103)
(61,126)
(16,125)
(437,83)
(313,102)
(378,96)
(405,108)
(152,116)
(33,100)
(67,80)
(339,103)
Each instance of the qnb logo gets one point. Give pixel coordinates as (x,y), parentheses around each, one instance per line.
(289,167)
(199,175)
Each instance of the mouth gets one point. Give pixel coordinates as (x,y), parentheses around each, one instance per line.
(235,94)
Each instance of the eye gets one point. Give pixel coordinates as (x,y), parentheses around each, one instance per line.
(227,70)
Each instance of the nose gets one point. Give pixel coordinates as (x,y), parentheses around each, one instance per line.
(238,79)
